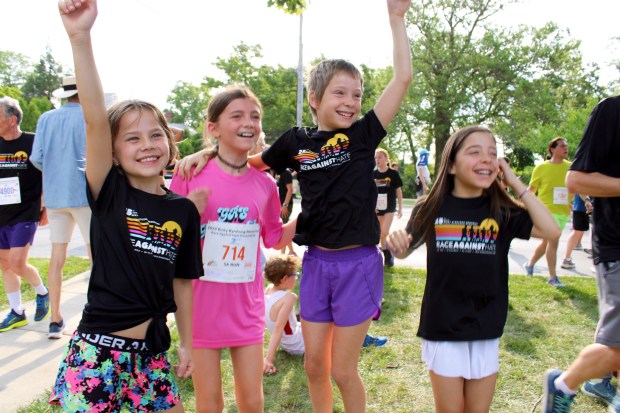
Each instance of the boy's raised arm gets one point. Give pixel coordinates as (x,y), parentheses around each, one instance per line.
(78,18)
(389,102)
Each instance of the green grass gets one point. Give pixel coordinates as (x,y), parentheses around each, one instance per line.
(73,266)
(546,328)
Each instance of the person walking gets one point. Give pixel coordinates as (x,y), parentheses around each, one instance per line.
(596,172)
(59,151)
(20,212)
(548,184)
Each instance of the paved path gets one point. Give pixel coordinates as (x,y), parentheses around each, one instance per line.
(30,361)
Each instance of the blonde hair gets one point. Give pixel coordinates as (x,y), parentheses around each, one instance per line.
(385,152)
(321,74)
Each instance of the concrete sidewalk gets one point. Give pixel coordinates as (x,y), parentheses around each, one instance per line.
(30,360)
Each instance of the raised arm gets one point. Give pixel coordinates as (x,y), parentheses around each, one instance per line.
(389,102)
(78,18)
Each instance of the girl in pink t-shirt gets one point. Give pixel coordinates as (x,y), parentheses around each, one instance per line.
(243,207)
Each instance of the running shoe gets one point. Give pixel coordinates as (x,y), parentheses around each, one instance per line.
(568,263)
(43,307)
(56,329)
(371,341)
(13,320)
(555,282)
(555,400)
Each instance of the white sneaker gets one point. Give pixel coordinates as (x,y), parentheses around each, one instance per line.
(568,263)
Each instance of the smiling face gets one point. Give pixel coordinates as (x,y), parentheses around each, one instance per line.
(237,128)
(475,166)
(141,146)
(340,104)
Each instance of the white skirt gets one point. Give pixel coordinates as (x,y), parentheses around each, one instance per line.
(467,359)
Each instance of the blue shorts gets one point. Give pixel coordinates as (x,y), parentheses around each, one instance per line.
(343,286)
(103,373)
(17,235)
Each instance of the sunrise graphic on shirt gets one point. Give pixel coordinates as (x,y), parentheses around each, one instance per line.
(466,236)
(148,237)
(334,152)
(17,160)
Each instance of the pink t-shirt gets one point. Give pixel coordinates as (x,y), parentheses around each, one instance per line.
(226,314)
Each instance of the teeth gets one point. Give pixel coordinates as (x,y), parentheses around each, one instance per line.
(348,115)
(246,135)
(149,159)
(484,172)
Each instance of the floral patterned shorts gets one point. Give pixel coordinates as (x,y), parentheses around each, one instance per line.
(101,378)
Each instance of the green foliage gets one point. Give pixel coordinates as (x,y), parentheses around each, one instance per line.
(469,72)
(14,68)
(276,87)
(288,6)
(44,79)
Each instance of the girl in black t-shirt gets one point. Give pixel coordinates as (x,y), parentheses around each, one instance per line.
(467,222)
(145,247)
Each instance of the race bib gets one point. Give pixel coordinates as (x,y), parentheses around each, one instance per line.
(230,251)
(382,202)
(560,196)
(9,191)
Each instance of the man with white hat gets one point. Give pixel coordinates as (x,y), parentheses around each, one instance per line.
(59,151)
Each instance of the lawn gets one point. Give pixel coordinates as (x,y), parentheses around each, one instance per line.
(73,266)
(546,328)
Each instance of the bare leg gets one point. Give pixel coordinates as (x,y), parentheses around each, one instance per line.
(207,378)
(573,239)
(54,278)
(448,392)
(552,256)
(538,252)
(346,348)
(248,372)
(318,363)
(594,361)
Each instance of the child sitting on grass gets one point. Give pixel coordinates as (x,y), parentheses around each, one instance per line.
(282,272)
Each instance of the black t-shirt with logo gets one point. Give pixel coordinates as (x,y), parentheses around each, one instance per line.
(599,151)
(15,162)
(140,242)
(466,292)
(338,193)
(387,183)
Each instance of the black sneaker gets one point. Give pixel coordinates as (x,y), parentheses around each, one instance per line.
(56,329)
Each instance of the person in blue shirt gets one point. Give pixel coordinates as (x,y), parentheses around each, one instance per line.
(59,151)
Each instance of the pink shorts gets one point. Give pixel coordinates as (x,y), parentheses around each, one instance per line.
(342,286)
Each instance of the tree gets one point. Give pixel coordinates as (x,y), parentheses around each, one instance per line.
(288,6)
(14,68)
(276,88)
(44,79)
(469,72)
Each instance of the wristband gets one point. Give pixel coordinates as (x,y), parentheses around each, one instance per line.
(525,191)
(285,205)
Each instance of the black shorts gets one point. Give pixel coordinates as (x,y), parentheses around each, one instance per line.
(581,221)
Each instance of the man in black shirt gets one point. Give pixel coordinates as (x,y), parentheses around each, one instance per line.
(20,211)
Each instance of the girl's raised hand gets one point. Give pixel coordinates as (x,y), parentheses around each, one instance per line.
(78,16)
(398,7)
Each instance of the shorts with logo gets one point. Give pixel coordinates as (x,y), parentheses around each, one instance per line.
(104,373)
(63,220)
(17,235)
(341,286)
(608,280)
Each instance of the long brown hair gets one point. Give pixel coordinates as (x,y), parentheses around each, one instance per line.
(217,105)
(428,207)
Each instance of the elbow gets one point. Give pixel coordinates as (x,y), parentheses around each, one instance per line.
(572,183)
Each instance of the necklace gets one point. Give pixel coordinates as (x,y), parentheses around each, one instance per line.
(232,165)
